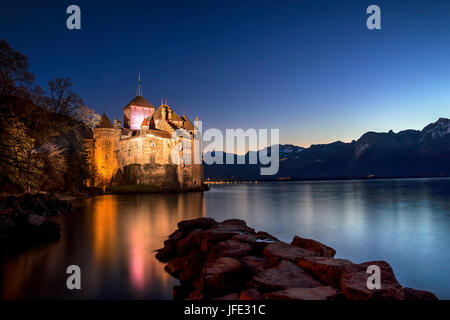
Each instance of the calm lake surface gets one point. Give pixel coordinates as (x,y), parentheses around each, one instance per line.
(405,222)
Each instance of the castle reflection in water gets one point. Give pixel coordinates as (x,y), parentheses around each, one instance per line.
(112,238)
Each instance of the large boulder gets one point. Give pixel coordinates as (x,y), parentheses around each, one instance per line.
(255,264)
(251,294)
(190,242)
(327,270)
(354,283)
(226,230)
(282,276)
(223,276)
(229,248)
(199,223)
(187,267)
(312,245)
(317,293)
(169,251)
(259,240)
(231,296)
(279,250)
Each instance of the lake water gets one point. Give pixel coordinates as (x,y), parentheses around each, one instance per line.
(112,238)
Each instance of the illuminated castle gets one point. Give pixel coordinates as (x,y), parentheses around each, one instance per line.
(137,156)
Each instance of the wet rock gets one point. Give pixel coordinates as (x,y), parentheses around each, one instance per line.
(279,250)
(317,293)
(222,276)
(169,251)
(312,245)
(354,283)
(174,266)
(258,241)
(413,294)
(283,276)
(165,254)
(186,267)
(199,223)
(190,242)
(229,248)
(327,270)
(251,294)
(265,235)
(231,296)
(227,229)
(196,295)
(255,264)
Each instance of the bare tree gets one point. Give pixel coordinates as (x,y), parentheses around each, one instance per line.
(15,79)
(87,116)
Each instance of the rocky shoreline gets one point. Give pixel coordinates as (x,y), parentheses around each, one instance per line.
(24,220)
(231,261)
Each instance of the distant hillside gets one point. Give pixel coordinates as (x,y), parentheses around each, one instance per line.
(408,153)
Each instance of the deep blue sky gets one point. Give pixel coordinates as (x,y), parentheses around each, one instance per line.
(310,68)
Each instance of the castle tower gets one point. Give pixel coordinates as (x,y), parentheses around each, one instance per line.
(106,137)
(137,110)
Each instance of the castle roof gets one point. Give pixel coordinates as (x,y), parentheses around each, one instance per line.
(139,101)
(160,133)
(105,123)
(157,114)
(186,123)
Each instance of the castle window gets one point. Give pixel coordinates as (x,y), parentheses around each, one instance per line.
(152,159)
(152,144)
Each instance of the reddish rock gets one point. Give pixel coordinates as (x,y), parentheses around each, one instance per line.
(283,276)
(196,295)
(317,293)
(169,251)
(265,235)
(255,264)
(174,266)
(223,276)
(279,250)
(312,245)
(354,283)
(251,294)
(327,270)
(229,248)
(231,296)
(258,241)
(165,254)
(187,267)
(227,229)
(413,294)
(199,223)
(174,237)
(190,242)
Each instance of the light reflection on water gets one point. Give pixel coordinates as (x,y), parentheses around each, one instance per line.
(112,238)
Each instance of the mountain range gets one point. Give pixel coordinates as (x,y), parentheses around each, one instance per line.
(408,153)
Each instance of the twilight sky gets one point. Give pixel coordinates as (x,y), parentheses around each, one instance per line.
(310,68)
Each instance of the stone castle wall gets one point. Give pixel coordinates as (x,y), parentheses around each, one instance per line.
(140,163)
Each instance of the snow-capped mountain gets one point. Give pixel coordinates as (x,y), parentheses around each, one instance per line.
(407,153)
(436,130)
